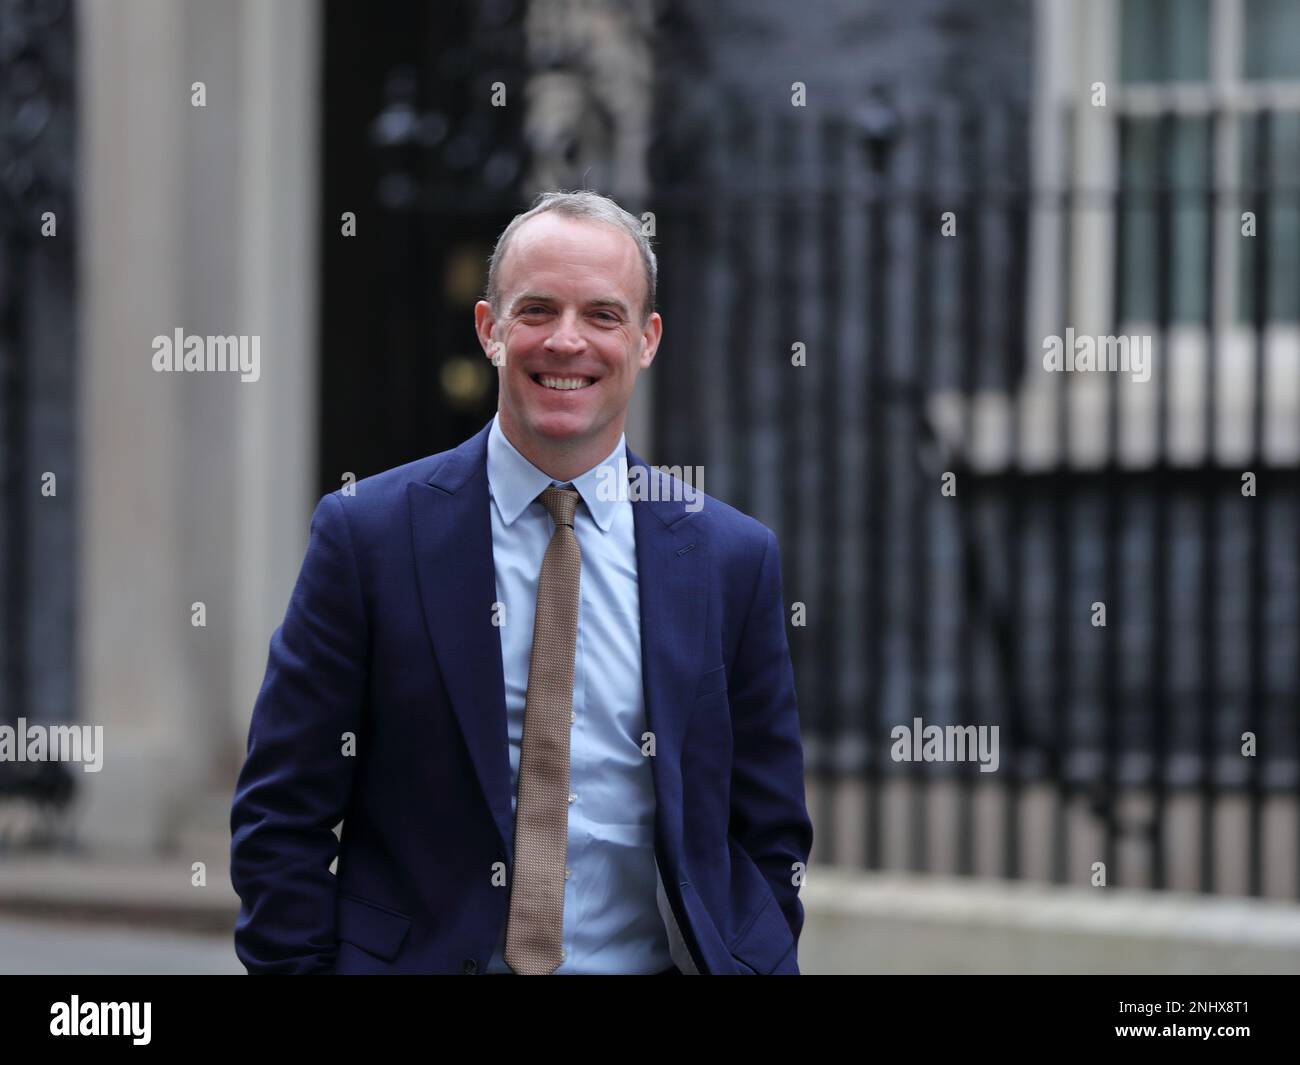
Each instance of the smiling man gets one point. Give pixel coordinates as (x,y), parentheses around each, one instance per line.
(569,318)
(558,724)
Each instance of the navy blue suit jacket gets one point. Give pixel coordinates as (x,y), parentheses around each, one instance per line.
(389,636)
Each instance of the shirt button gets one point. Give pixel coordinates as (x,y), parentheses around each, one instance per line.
(563,955)
(573,715)
(568,873)
(572,798)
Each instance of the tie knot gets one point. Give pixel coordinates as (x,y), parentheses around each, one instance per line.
(562,503)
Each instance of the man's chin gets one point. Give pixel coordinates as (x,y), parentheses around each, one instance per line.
(561,427)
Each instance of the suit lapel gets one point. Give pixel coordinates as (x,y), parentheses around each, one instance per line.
(451,530)
(672,569)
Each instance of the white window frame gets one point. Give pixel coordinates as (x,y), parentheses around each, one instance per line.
(1077,45)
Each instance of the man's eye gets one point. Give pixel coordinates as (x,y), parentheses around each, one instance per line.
(535,307)
(608,316)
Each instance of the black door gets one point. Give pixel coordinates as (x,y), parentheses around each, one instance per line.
(415,149)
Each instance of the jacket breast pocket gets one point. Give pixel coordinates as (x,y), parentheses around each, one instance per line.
(375,929)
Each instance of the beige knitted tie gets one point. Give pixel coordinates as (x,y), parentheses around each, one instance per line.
(536,925)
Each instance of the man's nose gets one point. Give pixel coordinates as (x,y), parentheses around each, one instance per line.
(566,337)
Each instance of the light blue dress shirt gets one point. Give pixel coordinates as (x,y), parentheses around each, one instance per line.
(613,921)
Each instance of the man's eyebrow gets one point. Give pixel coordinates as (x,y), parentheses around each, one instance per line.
(530,297)
(609,301)
(547,297)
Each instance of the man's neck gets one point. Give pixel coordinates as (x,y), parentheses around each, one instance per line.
(562,460)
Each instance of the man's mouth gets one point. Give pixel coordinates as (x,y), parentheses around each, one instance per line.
(562,384)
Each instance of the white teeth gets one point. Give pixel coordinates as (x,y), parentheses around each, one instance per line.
(565,383)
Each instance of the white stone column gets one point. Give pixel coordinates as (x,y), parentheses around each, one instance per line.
(194,487)
(279,264)
(131,625)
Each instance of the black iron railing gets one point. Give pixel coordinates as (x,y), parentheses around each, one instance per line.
(975,609)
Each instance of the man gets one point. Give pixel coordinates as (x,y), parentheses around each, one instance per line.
(545,688)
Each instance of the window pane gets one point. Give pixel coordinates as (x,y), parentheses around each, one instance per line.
(1274,196)
(1165,40)
(1272,39)
(1187,162)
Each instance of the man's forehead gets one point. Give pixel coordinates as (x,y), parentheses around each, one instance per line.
(539,233)
(620,255)
(579,228)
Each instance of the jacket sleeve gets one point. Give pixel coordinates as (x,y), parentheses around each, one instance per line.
(769,815)
(297,778)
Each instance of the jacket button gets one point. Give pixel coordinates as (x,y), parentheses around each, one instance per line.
(470,967)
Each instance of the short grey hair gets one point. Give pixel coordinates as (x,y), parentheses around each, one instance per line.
(592,207)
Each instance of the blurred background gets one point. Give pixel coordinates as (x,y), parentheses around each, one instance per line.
(1121,167)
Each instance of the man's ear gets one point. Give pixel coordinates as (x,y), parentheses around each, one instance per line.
(651,334)
(484,321)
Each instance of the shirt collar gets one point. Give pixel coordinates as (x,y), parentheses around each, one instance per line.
(516,482)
